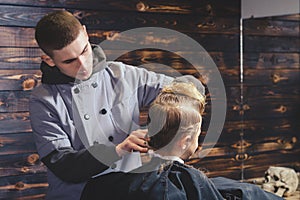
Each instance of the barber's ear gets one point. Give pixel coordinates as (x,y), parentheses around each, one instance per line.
(85,32)
(48,60)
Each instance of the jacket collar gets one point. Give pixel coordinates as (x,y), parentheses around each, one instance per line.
(52,75)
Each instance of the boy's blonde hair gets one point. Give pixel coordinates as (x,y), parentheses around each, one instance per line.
(177,110)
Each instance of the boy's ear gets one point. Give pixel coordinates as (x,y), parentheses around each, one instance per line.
(185,142)
(48,60)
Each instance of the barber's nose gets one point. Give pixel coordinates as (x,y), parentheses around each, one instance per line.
(82,63)
(81,60)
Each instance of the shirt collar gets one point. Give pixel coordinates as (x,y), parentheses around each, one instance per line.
(171,158)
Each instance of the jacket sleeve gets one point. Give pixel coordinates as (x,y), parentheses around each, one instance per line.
(147,83)
(191,79)
(150,84)
(78,166)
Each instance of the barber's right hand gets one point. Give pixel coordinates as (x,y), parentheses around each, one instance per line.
(136,141)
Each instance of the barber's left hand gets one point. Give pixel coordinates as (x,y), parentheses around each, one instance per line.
(136,141)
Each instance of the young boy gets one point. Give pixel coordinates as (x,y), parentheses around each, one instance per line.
(174,127)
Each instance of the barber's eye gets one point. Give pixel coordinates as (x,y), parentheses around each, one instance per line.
(68,61)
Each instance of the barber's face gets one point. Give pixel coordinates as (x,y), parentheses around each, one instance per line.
(75,60)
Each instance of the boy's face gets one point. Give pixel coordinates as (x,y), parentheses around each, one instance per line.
(74,60)
(193,145)
(195,139)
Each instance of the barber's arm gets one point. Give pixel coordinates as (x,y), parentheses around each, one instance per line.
(150,83)
(78,166)
(191,79)
(56,150)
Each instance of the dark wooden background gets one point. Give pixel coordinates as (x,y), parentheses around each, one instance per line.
(269,110)
(263,112)
(272,93)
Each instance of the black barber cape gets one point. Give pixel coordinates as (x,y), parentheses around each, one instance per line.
(170,180)
(157,180)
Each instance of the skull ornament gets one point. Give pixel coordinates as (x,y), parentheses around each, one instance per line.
(281,181)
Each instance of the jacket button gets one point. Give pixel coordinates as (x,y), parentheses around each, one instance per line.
(96,142)
(103,111)
(113,166)
(76,90)
(86,117)
(111,138)
(94,85)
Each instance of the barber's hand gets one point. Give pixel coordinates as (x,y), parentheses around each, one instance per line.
(136,141)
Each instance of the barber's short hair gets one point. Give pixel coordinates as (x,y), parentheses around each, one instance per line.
(56,30)
(176,111)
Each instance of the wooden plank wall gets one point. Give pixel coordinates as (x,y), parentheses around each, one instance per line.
(271,93)
(213,24)
(268,133)
(268,129)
